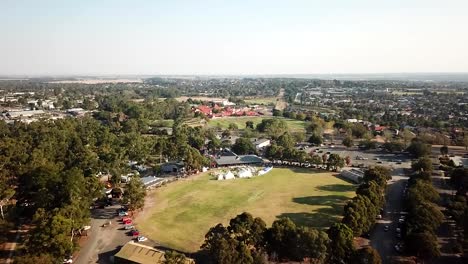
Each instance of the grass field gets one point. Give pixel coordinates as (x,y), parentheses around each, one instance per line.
(262,100)
(182,212)
(293,125)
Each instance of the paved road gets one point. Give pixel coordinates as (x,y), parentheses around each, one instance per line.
(103,242)
(382,241)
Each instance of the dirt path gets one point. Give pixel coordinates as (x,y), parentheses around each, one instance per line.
(281,103)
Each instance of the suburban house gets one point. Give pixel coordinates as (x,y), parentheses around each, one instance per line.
(173,167)
(261,143)
(228,158)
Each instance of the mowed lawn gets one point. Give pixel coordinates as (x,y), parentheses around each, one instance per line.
(184,211)
(293,125)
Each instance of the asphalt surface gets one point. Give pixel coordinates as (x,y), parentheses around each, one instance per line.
(103,242)
(385,241)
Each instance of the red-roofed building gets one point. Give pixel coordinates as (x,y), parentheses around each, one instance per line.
(206,110)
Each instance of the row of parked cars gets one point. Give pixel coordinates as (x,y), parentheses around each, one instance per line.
(128,225)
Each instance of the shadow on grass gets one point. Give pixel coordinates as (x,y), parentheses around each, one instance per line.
(304,170)
(322,217)
(330,200)
(337,188)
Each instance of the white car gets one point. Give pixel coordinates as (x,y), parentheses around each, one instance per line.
(141,239)
(68,260)
(128,227)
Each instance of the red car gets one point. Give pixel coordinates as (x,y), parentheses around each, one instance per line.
(128,222)
(135,233)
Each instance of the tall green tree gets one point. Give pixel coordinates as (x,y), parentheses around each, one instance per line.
(135,193)
(341,248)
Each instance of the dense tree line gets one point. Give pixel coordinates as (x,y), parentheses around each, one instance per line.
(424,216)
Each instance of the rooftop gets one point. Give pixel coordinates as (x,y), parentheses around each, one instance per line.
(139,254)
(238,160)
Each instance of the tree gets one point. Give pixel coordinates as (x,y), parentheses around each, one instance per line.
(348,141)
(272,127)
(423,164)
(213,144)
(423,245)
(286,141)
(358,130)
(289,242)
(459,179)
(173,257)
(367,255)
(419,148)
(249,124)
(134,194)
(393,146)
(233,126)
(34,259)
(6,193)
(240,242)
(316,139)
(407,136)
(243,146)
(378,174)
(444,150)
(315,159)
(341,247)
(51,235)
(335,162)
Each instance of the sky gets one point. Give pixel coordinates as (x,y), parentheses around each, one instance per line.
(106,37)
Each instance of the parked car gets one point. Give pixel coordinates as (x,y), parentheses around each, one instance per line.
(397,248)
(385,228)
(128,227)
(122,213)
(68,260)
(141,239)
(128,222)
(135,232)
(378,217)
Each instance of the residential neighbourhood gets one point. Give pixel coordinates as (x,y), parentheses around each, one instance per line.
(240,132)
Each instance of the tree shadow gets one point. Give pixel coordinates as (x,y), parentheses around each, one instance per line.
(329,200)
(337,188)
(108,257)
(329,213)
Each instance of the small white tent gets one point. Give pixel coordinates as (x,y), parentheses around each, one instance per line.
(229,175)
(245,173)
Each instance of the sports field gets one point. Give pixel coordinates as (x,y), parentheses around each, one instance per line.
(293,125)
(179,214)
(262,100)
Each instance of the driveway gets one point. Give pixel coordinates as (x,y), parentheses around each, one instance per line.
(382,241)
(103,242)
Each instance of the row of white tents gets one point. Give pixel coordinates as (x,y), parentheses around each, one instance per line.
(241,172)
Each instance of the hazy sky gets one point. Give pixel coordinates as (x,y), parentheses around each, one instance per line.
(232,37)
